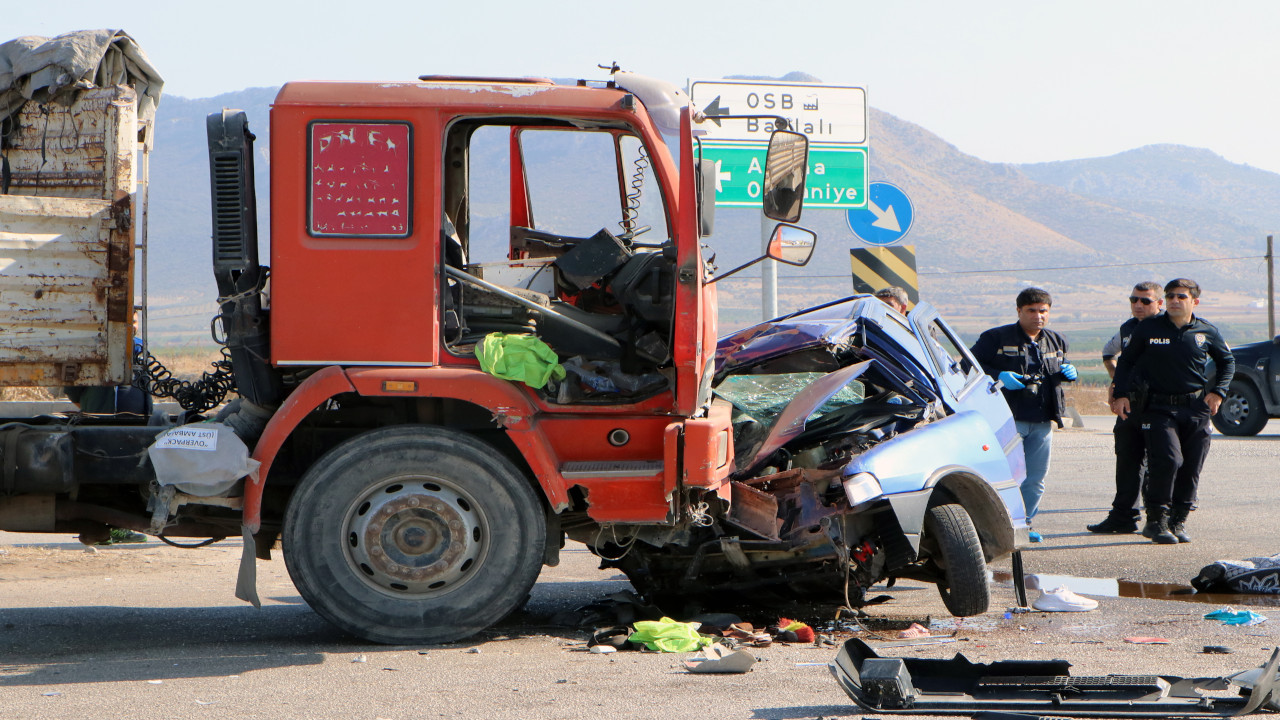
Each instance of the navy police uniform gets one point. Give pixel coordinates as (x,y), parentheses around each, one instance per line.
(1175,362)
(1130,441)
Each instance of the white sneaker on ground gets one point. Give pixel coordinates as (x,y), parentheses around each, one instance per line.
(1060,599)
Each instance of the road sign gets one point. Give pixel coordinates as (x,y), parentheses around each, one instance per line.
(885,219)
(875,268)
(837,176)
(826,113)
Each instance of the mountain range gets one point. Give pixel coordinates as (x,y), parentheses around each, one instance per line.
(1086,230)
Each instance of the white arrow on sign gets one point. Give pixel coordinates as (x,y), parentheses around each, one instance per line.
(722,177)
(885,219)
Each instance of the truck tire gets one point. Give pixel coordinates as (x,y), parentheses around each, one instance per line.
(1242,411)
(414,534)
(954,541)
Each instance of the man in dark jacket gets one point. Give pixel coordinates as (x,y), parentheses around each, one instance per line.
(1031,362)
(1145,300)
(1174,350)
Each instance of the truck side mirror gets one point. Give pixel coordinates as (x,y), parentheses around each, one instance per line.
(784,170)
(791,244)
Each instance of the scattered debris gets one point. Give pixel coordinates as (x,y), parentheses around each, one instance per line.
(472,651)
(359,659)
(667,635)
(602,649)
(1231,616)
(915,631)
(914,643)
(926,686)
(1143,640)
(719,659)
(1217,650)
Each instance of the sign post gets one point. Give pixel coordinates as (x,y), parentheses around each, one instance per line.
(833,117)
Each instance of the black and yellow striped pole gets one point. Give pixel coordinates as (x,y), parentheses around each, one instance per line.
(880,267)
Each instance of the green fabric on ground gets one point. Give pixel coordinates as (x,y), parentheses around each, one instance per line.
(667,635)
(523,358)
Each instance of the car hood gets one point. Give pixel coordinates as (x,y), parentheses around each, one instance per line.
(828,325)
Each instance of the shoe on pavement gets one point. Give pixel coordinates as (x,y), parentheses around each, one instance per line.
(120,536)
(1034,536)
(1060,599)
(1114,525)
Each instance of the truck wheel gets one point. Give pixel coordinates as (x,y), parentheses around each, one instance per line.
(413,534)
(1242,411)
(965,589)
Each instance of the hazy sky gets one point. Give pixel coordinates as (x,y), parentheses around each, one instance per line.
(1008,81)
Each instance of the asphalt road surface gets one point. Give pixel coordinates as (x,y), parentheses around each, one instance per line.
(150,631)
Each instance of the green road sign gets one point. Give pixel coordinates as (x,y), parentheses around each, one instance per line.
(837,174)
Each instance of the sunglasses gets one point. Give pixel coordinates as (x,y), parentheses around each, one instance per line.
(1143,300)
(1179,296)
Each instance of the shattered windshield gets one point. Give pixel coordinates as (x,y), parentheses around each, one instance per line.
(771,410)
(763,397)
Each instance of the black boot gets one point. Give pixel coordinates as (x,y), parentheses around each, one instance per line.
(1157,527)
(1115,524)
(1177,524)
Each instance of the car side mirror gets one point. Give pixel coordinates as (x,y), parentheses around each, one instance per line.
(791,244)
(784,174)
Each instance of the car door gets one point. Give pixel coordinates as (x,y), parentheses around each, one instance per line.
(965,388)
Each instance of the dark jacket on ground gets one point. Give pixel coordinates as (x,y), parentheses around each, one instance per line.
(1008,347)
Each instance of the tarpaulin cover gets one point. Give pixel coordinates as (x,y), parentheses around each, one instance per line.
(42,69)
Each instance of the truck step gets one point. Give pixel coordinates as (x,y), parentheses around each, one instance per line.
(610,469)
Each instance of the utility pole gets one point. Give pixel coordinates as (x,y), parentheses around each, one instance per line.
(1271,290)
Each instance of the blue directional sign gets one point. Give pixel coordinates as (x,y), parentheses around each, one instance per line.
(886,218)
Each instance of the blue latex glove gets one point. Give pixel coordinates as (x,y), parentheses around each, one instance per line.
(1069,371)
(1011,380)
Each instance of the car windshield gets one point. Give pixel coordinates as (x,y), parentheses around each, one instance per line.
(764,397)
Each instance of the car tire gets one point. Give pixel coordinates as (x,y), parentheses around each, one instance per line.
(1242,411)
(958,552)
(414,534)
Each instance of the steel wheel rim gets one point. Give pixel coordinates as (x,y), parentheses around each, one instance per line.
(1237,408)
(415,535)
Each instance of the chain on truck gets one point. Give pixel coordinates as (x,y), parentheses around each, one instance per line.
(416,496)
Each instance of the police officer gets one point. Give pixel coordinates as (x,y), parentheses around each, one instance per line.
(1030,361)
(1173,350)
(1131,445)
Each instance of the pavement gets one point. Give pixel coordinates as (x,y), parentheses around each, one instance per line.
(150,631)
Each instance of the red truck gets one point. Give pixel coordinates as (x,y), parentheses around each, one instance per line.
(417,494)
(487,326)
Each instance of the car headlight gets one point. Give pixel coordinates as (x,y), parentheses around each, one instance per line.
(861,488)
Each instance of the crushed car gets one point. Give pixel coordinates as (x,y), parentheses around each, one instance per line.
(869,445)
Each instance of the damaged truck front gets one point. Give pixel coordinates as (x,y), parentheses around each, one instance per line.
(491,326)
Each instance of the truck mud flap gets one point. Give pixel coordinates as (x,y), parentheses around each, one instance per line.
(926,686)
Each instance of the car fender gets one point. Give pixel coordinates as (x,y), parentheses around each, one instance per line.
(960,454)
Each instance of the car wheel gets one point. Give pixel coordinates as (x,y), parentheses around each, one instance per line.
(954,541)
(1242,411)
(413,534)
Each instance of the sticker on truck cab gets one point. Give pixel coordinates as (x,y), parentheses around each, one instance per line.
(360,179)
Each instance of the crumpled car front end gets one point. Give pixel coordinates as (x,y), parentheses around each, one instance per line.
(855,461)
